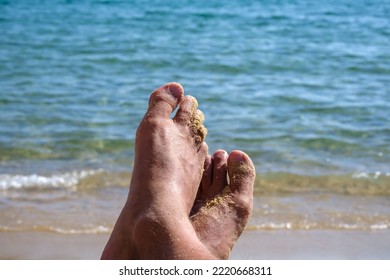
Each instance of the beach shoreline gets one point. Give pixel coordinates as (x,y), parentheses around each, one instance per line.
(253,245)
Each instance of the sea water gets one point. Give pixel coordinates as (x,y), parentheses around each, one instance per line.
(302,86)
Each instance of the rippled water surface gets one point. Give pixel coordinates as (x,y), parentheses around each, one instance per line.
(303,87)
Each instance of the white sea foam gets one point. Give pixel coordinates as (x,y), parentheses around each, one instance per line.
(64,180)
(375,175)
(379,226)
(358,175)
(93,230)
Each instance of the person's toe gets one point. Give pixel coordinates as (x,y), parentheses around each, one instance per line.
(208,172)
(186,111)
(198,128)
(220,171)
(219,175)
(164,100)
(203,150)
(242,176)
(190,116)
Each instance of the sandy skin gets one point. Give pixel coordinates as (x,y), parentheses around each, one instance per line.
(174,210)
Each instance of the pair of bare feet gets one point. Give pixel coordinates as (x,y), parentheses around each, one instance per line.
(181,204)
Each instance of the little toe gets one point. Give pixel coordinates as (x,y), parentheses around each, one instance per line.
(207,178)
(203,150)
(164,100)
(202,155)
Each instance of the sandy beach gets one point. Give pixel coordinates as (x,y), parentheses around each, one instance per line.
(313,245)
(253,245)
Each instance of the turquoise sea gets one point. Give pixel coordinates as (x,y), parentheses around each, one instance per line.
(302,86)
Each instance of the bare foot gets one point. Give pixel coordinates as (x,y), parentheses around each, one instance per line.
(222,209)
(169,157)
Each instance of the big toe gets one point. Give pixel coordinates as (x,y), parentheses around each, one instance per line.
(164,100)
(242,177)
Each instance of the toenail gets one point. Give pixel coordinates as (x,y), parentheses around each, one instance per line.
(235,156)
(176,90)
(221,153)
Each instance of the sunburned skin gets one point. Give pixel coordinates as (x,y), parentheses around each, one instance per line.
(180,204)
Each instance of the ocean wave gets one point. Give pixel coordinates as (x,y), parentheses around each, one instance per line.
(93,230)
(318,226)
(357,183)
(99,229)
(69,180)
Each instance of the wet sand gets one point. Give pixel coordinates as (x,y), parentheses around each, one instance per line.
(253,245)
(313,245)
